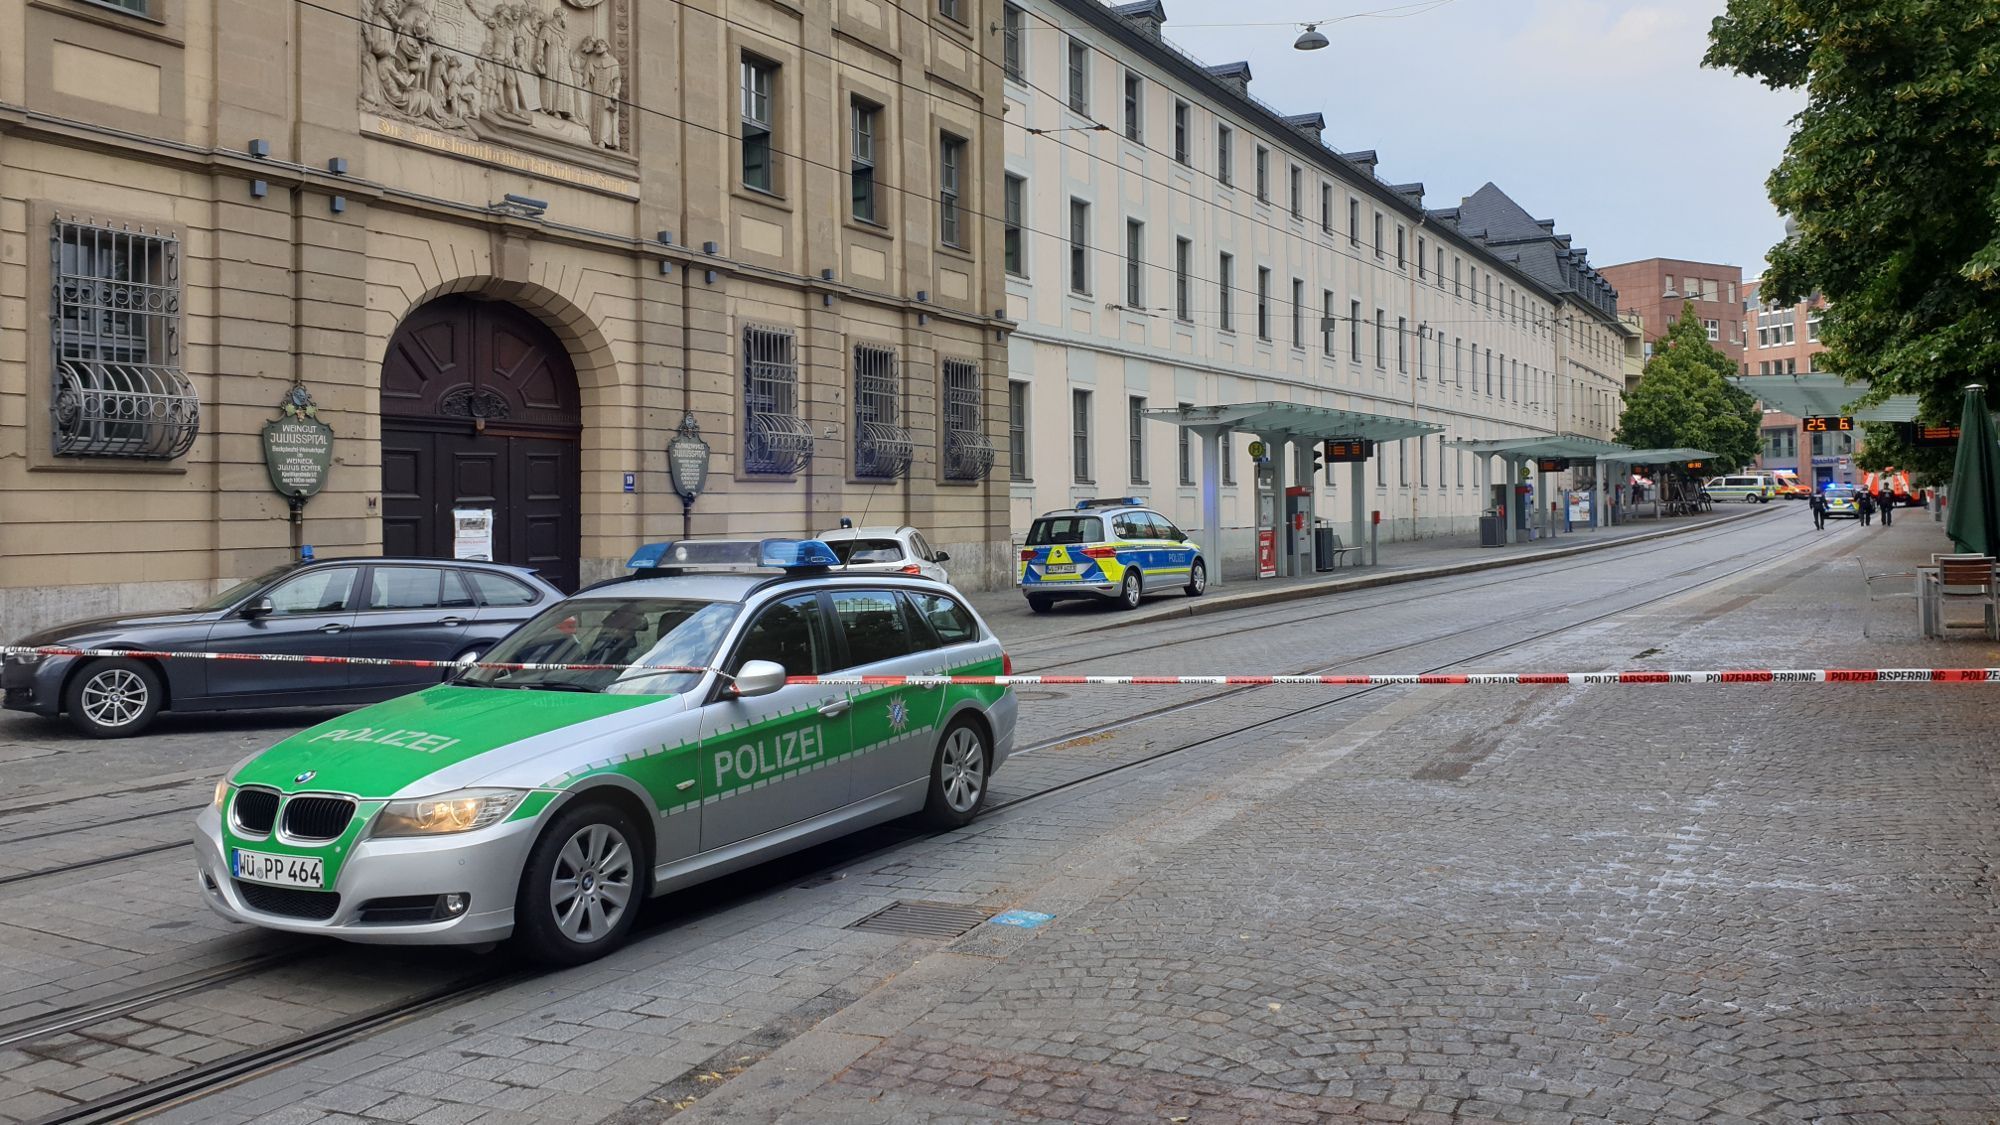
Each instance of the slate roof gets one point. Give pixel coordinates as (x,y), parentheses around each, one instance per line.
(1493,217)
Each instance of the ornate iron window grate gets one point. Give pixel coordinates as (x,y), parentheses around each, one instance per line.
(968,452)
(882,446)
(115,336)
(775,438)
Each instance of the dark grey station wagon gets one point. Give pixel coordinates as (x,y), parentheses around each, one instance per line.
(423,609)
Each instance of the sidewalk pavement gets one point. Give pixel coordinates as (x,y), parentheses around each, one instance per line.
(1007,612)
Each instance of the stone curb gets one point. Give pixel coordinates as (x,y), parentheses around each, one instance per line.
(1196,607)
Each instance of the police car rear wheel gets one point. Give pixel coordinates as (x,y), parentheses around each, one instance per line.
(580,890)
(1129,590)
(1040,603)
(113,698)
(1197,579)
(958,777)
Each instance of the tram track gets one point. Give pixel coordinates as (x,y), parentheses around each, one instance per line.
(205,1079)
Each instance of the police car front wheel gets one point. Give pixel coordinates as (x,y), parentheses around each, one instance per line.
(1129,590)
(582,886)
(1197,579)
(958,776)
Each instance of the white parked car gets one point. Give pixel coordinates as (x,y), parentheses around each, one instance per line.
(886,549)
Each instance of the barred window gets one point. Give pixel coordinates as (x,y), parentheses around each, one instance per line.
(115,330)
(968,452)
(775,438)
(882,447)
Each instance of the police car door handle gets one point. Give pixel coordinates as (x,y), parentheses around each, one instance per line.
(836,709)
(332,627)
(451,621)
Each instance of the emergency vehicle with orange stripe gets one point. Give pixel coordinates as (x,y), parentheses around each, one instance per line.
(1113,549)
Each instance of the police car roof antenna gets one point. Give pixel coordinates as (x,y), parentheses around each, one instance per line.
(855,544)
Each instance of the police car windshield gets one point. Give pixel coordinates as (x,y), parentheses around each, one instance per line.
(1051,530)
(680,632)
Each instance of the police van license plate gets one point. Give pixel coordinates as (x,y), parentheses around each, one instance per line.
(1059,568)
(277,870)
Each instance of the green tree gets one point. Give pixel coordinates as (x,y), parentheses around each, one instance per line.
(1891,179)
(1684,400)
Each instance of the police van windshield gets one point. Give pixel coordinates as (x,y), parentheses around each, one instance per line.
(678,632)
(1051,530)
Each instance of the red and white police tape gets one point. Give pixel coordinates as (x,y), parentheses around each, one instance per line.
(1532,679)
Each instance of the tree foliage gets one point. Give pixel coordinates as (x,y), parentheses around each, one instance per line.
(1684,399)
(1891,179)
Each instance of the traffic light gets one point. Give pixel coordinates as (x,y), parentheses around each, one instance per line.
(1319,457)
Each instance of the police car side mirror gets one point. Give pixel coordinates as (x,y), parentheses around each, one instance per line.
(259,608)
(758,677)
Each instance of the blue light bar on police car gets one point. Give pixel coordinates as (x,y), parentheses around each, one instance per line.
(733,554)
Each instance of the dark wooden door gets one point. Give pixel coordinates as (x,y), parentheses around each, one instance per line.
(480,410)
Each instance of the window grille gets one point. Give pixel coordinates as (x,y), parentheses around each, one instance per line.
(882,447)
(115,330)
(775,438)
(968,452)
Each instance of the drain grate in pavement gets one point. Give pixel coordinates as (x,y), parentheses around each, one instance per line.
(923,919)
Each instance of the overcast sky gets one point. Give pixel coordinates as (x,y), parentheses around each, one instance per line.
(1594,113)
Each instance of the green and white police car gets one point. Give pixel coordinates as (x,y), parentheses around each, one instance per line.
(544,804)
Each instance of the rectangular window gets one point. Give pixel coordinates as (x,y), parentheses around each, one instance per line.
(1354,331)
(1298,194)
(1135,101)
(1183,258)
(1403,464)
(1263,174)
(1381,339)
(1380,248)
(775,438)
(1013,41)
(1456,262)
(1223,171)
(1489,291)
(951,166)
(1017,430)
(1440,269)
(1228,453)
(115,305)
(1181,130)
(881,444)
(1135,263)
(1714,328)
(1489,371)
(1185,449)
(1225,284)
(1353,221)
(1423,270)
(1403,345)
(1458,363)
(1402,238)
(864,123)
(1015,200)
(758,76)
(1263,303)
(1326,208)
(968,454)
(1326,322)
(1079,77)
(1135,416)
(1079,436)
(1503,375)
(1298,312)
(1079,246)
(952,9)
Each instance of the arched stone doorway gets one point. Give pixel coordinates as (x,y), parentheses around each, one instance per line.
(480,410)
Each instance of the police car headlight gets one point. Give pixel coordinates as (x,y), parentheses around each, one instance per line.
(463,811)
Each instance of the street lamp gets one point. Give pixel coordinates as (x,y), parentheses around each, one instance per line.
(1311,40)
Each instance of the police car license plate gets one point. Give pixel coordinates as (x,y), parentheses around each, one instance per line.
(277,870)
(1059,568)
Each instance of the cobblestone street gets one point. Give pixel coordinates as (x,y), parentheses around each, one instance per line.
(1728,903)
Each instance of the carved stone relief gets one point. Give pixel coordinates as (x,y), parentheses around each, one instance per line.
(553,68)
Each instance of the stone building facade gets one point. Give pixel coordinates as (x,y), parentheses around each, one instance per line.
(1171,240)
(506,248)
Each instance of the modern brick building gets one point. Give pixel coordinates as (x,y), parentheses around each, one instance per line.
(1659,288)
(1784,340)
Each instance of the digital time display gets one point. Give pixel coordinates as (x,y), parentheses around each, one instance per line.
(1348,449)
(1828,423)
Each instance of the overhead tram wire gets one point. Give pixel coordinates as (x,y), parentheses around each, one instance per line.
(925,193)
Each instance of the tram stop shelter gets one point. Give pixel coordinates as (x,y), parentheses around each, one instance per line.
(1280,425)
(1620,466)
(1514,452)
(1806,396)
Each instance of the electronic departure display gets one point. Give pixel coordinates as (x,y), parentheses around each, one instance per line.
(1348,449)
(1551,464)
(1931,436)
(1828,423)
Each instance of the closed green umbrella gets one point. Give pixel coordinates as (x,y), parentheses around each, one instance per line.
(1974,519)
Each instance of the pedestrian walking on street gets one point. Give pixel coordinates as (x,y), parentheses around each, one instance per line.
(1818,505)
(1866,503)
(1888,508)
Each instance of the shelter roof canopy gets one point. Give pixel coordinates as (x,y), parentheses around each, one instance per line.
(1298,419)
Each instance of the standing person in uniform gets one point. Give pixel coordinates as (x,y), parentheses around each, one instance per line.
(1866,504)
(1888,507)
(1817,503)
